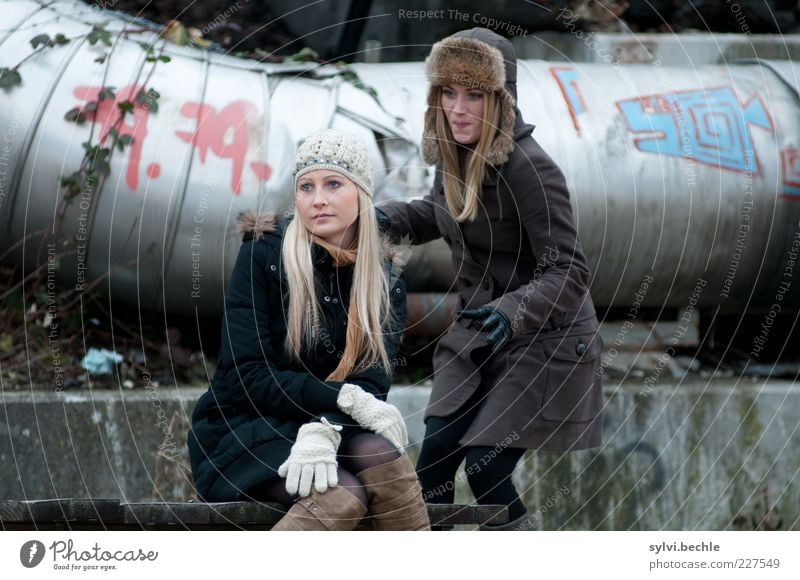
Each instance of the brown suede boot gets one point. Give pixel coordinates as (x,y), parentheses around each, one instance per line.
(335,510)
(395,496)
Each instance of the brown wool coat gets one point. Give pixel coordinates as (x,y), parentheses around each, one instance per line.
(521,254)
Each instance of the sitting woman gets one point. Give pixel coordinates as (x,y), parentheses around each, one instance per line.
(313,315)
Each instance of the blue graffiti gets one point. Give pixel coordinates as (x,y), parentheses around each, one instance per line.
(708,126)
(567,80)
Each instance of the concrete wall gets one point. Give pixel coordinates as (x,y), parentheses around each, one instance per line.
(720,455)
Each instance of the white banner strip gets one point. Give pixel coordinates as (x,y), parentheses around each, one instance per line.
(401,555)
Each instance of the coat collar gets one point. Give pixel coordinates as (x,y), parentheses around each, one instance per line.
(521,130)
(255,224)
(251,224)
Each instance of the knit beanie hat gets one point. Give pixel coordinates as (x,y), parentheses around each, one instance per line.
(331,149)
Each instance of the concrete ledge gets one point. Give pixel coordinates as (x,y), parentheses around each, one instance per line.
(720,455)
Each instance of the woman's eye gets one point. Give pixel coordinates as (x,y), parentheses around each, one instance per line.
(448,93)
(305,187)
(334,184)
(475,96)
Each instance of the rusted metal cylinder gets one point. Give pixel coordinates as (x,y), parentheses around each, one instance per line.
(429,313)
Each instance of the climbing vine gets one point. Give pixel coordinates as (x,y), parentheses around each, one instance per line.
(95,165)
(307,55)
(28,299)
(32,309)
(10,77)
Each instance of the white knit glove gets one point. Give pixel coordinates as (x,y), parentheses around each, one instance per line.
(373,414)
(312,458)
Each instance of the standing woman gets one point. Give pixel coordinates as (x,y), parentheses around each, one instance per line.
(313,315)
(518,369)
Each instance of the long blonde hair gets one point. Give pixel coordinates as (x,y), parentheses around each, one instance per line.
(369,313)
(462,190)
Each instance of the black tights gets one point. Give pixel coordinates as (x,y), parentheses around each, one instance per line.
(360,452)
(488,469)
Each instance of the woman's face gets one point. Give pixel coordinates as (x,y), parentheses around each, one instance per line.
(327,205)
(463,107)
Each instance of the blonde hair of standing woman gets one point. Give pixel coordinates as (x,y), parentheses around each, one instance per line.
(370,310)
(462,186)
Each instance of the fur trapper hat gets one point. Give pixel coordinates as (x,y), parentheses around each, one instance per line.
(463,59)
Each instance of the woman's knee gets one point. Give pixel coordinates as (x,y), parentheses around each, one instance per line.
(486,471)
(441,441)
(366,450)
(274,490)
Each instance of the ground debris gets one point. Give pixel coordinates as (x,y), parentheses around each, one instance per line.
(46,333)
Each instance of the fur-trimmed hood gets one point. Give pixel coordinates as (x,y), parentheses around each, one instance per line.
(260,223)
(257,223)
(476,58)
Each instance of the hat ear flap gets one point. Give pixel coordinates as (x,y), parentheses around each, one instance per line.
(503,143)
(430,143)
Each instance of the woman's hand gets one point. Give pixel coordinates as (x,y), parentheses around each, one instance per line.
(373,414)
(491,320)
(313,458)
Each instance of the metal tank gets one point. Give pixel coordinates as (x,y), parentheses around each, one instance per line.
(684,181)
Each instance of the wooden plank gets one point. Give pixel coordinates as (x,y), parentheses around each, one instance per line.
(64,510)
(193,515)
(102,513)
(448,514)
(184,514)
(246,513)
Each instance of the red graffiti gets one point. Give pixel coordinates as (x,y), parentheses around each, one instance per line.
(262,170)
(225,134)
(107,114)
(790,162)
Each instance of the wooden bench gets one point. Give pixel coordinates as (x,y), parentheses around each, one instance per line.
(111,514)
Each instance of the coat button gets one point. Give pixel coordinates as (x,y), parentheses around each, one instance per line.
(336,301)
(272,267)
(581,348)
(485,283)
(327,299)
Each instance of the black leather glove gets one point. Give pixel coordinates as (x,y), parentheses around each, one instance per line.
(493,321)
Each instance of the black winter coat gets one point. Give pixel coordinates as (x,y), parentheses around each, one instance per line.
(244,426)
